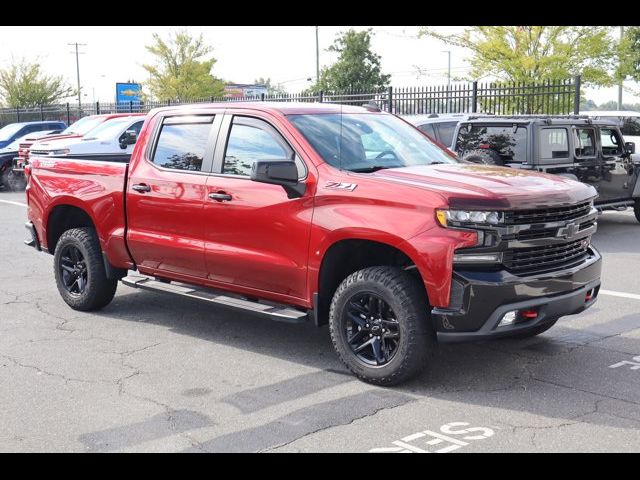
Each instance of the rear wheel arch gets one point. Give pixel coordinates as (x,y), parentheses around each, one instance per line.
(64,217)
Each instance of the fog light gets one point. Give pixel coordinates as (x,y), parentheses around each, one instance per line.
(508,319)
(528,314)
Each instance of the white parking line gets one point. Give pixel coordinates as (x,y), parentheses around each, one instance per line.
(13,203)
(613,293)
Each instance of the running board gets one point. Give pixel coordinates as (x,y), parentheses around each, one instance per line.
(280,313)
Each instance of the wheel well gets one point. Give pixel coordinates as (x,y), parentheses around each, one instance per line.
(63,218)
(348,256)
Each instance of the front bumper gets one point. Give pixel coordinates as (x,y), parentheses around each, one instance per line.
(480,299)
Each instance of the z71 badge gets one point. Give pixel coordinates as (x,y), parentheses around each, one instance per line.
(341,186)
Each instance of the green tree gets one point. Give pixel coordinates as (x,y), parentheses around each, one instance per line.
(538,53)
(586,104)
(357,67)
(272,89)
(23,84)
(181,70)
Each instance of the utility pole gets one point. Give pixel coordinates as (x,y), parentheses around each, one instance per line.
(317,57)
(620,84)
(76,44)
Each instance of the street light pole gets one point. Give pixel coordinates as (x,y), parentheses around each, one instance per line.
(448,52)
(76,44)
(317,57)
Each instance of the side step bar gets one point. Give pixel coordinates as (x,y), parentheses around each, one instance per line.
(280,313)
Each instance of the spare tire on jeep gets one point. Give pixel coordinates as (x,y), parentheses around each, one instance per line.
(485,156)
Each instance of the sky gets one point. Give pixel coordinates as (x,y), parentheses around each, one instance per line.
(284,54)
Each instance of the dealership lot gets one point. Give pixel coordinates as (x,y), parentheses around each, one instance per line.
(154,372)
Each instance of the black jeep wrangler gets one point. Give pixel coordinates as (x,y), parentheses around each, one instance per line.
(591,151)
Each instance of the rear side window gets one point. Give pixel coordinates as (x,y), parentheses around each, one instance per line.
(554,143)
(584,140)
(249,141)
(181,146)
(446,131)
(508,141)
(428,129)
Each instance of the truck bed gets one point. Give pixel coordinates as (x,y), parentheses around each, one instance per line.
(92,184)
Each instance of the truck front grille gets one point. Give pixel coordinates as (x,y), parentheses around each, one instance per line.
(545,258)
(556,214)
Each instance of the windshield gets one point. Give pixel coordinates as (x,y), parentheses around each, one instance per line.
(9,131)
(365,142)
(83,126)
(109,129)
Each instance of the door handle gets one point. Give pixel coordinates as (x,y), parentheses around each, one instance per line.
(220,197)
(141,187)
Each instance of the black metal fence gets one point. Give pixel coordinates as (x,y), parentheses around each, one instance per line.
(558,98)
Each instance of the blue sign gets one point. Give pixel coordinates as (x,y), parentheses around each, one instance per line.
(128,92)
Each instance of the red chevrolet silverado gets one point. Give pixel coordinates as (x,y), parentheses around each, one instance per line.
(342,215)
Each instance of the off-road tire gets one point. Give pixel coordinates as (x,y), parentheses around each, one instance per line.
(99,290)
(536,331)
(404,294)
(483,156)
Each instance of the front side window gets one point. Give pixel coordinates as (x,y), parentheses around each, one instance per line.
(366,142)
(631,126)
(250,142)
(182,146)
(554,143)
(584,142)
(508,141)
(611,142)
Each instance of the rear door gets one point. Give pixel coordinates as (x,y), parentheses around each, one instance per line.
(255,237)
(166,194)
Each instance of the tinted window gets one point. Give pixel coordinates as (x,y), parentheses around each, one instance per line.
(182,146)
(428,129)
(509,143)
(631,126)
(248,143)
(554,143)
(611,143)
(446,131)
(584,142)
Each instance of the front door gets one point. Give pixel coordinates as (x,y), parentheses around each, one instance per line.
(166,194)
(255,237)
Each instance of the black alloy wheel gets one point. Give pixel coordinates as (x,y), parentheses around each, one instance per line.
(73,270)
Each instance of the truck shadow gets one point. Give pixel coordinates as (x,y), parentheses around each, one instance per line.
(564,374)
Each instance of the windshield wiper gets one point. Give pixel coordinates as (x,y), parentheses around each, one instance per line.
(371,169)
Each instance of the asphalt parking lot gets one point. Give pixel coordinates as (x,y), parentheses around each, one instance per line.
(154,372)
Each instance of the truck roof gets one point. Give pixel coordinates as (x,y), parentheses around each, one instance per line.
(283,108)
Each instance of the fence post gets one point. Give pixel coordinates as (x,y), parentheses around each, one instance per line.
(130,106)
(68,115)
(320,96)
(474,98)
(17,114)
(576,99)
(41,113)
(97,108)
(390,96)
(262,97)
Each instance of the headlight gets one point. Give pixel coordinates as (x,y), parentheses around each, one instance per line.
(62,151)
(448,218)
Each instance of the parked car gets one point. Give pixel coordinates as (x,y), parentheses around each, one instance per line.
(278,209)
(627,120)
(578,147)
(9,133)
(76,130)
(113,139)
(439,127)
(8,179)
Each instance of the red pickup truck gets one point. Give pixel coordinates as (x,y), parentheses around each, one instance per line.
(342,215)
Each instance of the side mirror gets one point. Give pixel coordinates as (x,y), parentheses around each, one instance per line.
(128,138)
(279,172)
(630,147)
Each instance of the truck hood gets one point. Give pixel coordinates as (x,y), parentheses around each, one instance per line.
(485,186)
